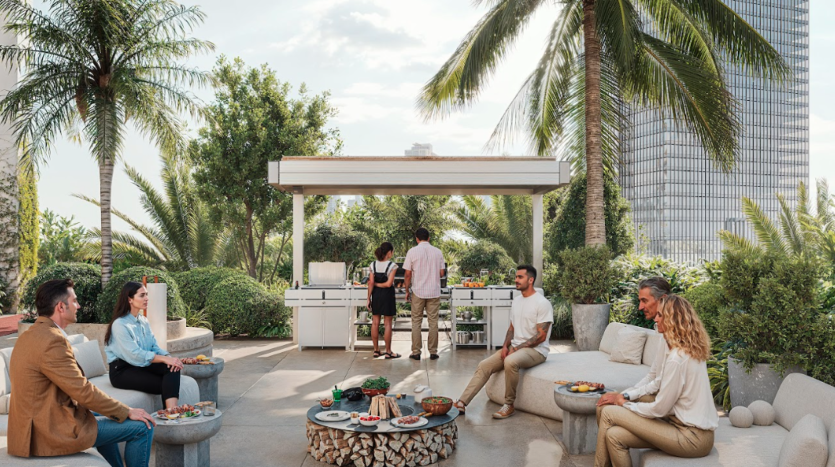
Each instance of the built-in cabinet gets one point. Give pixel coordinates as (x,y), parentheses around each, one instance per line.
(324,326)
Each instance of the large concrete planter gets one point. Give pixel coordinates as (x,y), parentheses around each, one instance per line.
(590,323)
(761,384)
(176,328)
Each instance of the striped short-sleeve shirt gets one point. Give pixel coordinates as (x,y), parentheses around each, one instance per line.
(425,261)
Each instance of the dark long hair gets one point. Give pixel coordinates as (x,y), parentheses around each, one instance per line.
(384,249)
(122,307)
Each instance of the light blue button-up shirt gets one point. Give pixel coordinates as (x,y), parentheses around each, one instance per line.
(131,340)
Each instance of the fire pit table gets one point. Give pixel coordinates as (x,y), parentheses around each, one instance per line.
(579,422)
(185,443)
(342,443)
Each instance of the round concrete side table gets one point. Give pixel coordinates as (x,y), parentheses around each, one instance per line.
(579,422)
(206,377)
(186,443)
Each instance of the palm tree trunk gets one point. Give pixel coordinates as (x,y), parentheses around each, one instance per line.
(595,220)
(105,184)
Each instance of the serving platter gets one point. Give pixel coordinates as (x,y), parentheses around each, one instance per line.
(333,416)
(196,413)
(423,421)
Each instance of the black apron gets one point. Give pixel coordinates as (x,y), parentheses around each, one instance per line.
(383,301)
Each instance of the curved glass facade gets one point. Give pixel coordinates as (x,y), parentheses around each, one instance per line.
(680,200)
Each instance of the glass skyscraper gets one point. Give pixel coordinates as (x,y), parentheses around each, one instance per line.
(680,199)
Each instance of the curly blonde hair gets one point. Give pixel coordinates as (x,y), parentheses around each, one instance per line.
(682,327)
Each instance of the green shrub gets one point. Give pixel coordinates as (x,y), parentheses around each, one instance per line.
(195,284)
(87,279)
(240,305)
(822,364)
(563,327)
(484,255)
(586,275)
(774,312)
(108,297)
(708,299)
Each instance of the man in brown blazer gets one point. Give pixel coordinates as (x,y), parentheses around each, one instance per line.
(50,414)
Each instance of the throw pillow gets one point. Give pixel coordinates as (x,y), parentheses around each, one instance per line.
(763,413)
(629,346)
(741,417)
(89,358)
(75,339)
(5,380)
(805,446)
(4,404)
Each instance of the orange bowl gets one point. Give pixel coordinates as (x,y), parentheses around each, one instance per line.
(437,408)
(375,392)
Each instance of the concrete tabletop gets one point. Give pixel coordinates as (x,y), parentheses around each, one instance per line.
(187,430)
(407,405)
(577,402)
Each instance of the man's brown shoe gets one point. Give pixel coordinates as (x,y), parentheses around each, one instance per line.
(504,412)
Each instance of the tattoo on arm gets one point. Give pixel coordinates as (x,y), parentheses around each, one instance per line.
(541,334)
(509,336)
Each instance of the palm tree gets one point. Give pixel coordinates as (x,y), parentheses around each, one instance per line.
(90,66)
(507,222)
(799,232)
(182,236)
(601,53)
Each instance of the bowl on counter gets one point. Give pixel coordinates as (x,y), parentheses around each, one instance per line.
(436,405)
(370,420)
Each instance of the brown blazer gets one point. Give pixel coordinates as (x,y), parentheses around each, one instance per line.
(46,379)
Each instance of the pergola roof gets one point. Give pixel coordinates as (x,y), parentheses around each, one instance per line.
(433,175)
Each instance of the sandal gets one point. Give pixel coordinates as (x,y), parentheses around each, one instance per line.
(390,355)
(460,406)
(377,354)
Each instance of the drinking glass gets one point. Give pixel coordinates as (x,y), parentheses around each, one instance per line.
(337,395)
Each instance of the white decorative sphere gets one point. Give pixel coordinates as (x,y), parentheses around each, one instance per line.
(763,413)
(741,417)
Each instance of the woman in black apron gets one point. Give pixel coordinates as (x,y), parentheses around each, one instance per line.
(381,300)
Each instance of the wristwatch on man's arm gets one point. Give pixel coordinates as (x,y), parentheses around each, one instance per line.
(626,396)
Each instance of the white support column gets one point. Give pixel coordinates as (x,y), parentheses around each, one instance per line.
(538,224)
(298,252)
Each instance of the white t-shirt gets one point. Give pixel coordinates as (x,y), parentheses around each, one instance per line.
(381,267)
(525,314)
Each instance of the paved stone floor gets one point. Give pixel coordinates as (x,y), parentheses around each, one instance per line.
(267,386)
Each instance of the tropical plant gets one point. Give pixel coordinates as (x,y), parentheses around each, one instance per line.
(62,240)
(717,372)
(563,327)
(92,66)
(506,221)
(181,237)
(658,53)
(254,120)
(800,231)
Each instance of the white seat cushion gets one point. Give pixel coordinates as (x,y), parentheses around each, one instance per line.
(5,401)
(88,458)
(75,339)
(189,393)
(5,380)
(758,446)
(89,359)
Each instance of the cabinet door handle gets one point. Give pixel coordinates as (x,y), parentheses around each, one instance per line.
(323,295)
(471,294)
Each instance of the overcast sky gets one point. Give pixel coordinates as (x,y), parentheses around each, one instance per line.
(373,56)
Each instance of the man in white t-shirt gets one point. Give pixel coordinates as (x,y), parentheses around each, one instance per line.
(525,346)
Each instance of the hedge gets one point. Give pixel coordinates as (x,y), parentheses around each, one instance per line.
(196,284)
(108,297)
(87,279)
(240,305)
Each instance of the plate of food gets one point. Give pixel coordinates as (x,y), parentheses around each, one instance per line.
(410,421)
(334,416)
(198,360)
(585,387)
(182,411)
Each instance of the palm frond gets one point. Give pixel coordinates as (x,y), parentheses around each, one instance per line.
(765,230)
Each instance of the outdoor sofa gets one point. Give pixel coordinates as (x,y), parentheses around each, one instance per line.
(90,359)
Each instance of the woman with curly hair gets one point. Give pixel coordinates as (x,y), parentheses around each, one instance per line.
(679,418)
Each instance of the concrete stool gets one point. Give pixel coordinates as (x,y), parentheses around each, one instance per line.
(206,377)
(187,443)
(579,421)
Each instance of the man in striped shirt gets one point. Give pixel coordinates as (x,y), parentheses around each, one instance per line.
(424,267)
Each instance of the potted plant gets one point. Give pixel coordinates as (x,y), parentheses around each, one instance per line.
(771,320)
(586,277)
(374,387)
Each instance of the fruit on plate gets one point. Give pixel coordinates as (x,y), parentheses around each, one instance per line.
(561,382)
(575,388)
(583,388)
(592,386)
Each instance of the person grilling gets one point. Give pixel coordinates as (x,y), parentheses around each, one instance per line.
(381,299)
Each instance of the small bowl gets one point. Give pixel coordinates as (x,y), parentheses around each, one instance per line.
(326,404)
(437,409)
(370,422)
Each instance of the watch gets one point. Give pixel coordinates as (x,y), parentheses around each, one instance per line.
(625,395)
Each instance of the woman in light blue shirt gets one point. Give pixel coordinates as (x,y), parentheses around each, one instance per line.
(136,361)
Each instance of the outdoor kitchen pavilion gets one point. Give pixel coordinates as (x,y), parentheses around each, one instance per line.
(398,175)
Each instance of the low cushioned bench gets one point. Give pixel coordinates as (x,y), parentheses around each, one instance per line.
(89,358)
(535,393)
(760,446)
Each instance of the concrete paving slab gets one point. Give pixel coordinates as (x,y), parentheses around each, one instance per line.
(241,446)
(530,447)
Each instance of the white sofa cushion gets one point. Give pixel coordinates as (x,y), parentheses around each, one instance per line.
(818,398)
(5,380)
(189,393)
(806,444)
(757,446)
(89,359)
(629,347)
(655,343)
(5,401)
(88,458)
(75,339)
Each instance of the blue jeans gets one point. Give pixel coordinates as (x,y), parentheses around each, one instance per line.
(138,442)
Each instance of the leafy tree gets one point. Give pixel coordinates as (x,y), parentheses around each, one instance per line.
(255,121)
(90,68)
(484,255)
(568,229)
(181,237)
(658,53)
(507,221)
(338,242)
(62,240)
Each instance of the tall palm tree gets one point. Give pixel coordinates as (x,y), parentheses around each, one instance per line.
(90,66)
(182,236)
(601,53)
(506,221)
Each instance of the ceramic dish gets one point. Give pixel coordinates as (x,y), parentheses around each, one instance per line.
(423,421)
(333,416)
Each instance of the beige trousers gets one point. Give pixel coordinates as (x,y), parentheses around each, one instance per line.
(522,358)
(620,429)
(432,307)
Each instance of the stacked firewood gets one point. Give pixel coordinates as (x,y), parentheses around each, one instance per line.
(416,448)
(384,407)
